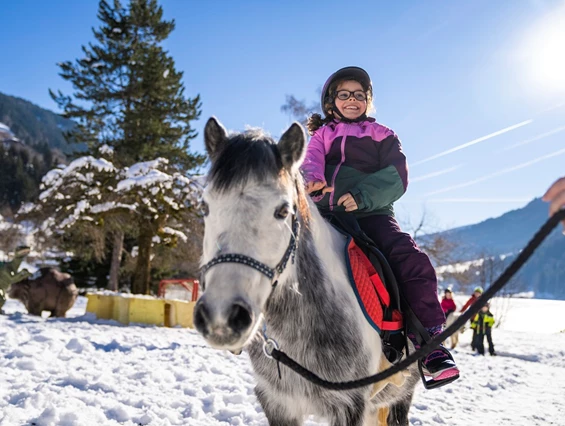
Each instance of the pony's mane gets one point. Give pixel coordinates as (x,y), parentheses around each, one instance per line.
(251,154)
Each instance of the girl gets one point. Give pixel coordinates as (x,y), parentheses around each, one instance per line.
(447,303)
(357,165)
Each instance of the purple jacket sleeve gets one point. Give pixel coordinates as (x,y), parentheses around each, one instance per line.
(315,162)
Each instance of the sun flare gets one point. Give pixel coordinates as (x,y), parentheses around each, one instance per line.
(545,51)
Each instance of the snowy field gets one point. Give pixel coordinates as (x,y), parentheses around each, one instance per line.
(80,371)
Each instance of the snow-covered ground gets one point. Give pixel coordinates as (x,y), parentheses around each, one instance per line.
(81,371)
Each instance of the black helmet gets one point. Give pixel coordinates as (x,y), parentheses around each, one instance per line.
(353,73)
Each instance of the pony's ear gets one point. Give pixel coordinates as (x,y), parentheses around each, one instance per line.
(215,138)
(292,146)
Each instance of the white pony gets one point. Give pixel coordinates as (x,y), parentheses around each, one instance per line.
(454,338)
(273,266)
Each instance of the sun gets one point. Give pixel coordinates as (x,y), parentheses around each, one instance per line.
(545,52)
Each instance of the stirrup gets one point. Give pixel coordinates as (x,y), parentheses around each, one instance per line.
(434,383)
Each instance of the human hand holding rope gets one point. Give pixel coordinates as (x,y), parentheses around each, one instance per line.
(555,195)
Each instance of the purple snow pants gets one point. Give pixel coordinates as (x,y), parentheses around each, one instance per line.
(412,268)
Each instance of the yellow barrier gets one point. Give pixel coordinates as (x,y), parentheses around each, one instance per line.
(142,310)
(102,305)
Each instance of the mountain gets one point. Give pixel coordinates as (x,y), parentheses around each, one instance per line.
(32,125)
(506,236)
(31,143)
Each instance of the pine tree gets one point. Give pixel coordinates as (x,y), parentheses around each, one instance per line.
(129,96)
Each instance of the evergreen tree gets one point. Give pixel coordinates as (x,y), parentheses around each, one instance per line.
(20,175)
(129,96)
(128,93)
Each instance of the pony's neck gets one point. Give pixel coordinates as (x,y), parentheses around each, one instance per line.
(316,282)
(329,247)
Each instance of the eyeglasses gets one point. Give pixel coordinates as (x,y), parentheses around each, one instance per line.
(344,95)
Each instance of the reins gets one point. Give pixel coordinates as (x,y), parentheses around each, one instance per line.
(271,349)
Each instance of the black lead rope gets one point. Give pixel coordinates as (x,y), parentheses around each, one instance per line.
(508,273)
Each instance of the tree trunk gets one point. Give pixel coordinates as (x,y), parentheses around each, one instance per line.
(116,260)
(142,275)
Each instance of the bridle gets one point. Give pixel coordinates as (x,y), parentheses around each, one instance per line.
(271,273)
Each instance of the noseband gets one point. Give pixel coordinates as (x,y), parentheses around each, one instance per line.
(271,273)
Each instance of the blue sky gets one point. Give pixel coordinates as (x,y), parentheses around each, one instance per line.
(473,89)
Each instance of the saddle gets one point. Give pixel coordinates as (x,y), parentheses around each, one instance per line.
(374,285)
(377,291)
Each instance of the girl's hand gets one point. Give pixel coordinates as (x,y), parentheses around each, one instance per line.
(348,202)
(317,186)
(555,195)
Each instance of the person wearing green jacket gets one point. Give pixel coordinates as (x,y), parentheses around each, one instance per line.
(9,272)
(482,326)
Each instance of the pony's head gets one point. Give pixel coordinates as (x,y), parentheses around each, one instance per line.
(19,290)
(251,199)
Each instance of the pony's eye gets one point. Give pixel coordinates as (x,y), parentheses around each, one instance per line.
(204,208)
(282,212)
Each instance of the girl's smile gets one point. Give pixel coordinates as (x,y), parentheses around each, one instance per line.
(351,108)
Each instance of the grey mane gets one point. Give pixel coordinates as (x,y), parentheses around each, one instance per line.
(248,155)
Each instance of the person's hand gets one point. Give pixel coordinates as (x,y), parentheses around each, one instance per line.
(348,202)
(317,186)
(555,195)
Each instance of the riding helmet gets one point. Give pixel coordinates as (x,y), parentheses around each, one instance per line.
(348,73)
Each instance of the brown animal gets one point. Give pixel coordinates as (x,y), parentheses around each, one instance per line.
(46,290)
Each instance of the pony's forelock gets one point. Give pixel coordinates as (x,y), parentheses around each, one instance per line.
(247,155)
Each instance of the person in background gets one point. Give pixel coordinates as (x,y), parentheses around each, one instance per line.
(476,294)
(447,303)
(555,195)
(482,326)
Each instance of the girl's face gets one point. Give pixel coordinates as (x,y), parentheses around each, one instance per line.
(448,295)
(351,107)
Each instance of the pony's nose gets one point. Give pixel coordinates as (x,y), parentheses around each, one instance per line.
(239,317)
(236,319)
(201,316)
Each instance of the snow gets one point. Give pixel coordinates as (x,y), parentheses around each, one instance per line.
(54,178)
(106,149)
(144,175)
(104,207)
(81,371)
(171,231)
(85,183)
